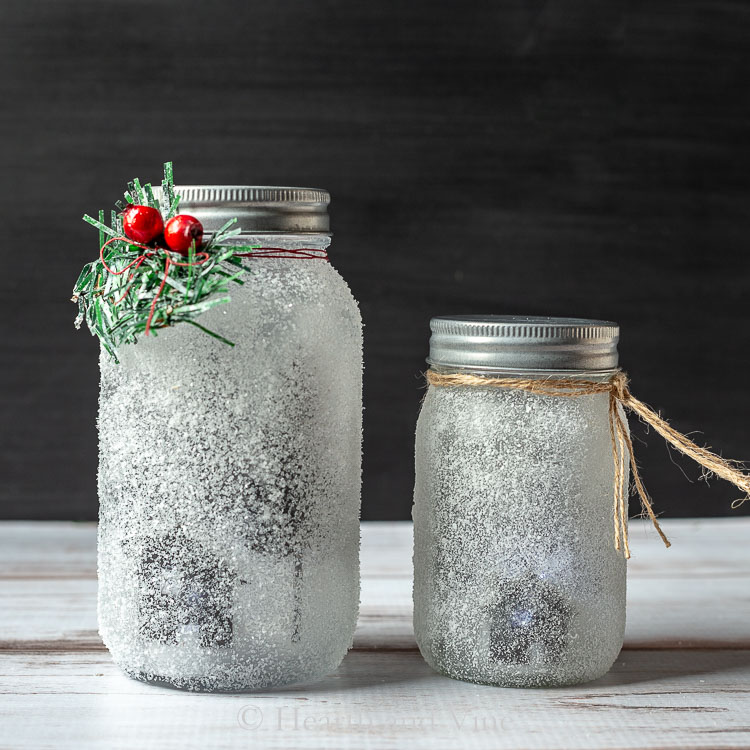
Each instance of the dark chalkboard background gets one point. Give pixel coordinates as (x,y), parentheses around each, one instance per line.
(577,157)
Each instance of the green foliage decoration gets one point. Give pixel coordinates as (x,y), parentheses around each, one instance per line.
(133,289)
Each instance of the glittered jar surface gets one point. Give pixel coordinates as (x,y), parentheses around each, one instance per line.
(516,578)
(229,485)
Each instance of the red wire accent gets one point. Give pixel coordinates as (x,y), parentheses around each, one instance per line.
(135,264)
(304,253)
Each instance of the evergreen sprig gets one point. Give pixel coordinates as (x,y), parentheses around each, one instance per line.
(117,304)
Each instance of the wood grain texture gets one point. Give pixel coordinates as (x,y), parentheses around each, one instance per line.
(382,701)
(568,158)
(682,680)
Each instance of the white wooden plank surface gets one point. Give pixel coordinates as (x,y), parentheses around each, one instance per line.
(683,679)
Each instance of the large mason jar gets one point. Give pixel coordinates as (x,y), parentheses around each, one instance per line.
(229,477)
(517,581)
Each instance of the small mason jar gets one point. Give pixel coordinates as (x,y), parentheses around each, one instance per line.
(517,581)
(229,477)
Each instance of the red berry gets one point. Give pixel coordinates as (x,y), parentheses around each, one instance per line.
(181,231)
(142,223)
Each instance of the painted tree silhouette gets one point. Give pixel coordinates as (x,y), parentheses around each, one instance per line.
(280,514)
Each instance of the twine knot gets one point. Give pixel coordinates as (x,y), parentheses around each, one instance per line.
(619,383)
(620,398)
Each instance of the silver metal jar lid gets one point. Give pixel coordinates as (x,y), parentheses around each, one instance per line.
(258,209)
(511,342)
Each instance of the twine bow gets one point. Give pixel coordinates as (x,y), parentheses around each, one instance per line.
(622,445)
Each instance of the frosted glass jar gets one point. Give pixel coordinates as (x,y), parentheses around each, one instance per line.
(229,478)
(516,578)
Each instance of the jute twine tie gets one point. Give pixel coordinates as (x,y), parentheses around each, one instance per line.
(622,445)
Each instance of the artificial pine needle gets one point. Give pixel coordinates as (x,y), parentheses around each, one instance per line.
(117,304)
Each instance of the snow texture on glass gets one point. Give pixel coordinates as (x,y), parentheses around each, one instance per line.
(517,581)
(229,485)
